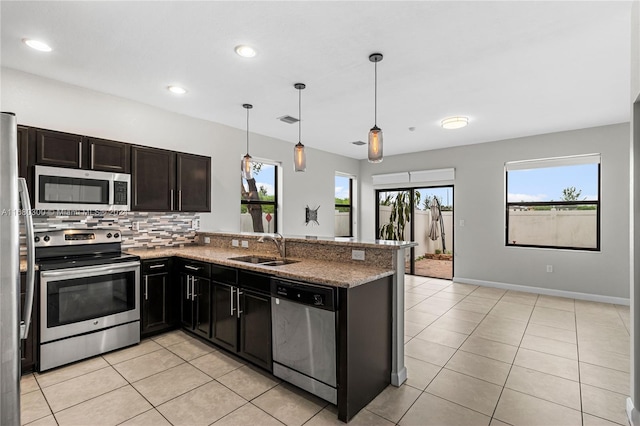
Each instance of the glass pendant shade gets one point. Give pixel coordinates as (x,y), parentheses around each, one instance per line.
(375,145)
(299,158)
(245,166)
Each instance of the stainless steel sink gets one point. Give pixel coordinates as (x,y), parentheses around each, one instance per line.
(279,262)
(264,261)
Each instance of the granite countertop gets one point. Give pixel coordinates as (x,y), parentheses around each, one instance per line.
(335,274)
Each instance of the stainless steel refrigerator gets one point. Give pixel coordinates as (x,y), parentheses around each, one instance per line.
(14,319)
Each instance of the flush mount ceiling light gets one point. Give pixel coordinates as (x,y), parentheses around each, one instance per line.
(452,123)
(37,45)
(245,51)
(375,134)
(177,90)
(299,156)
(245,165)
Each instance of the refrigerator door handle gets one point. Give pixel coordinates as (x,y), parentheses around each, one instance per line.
(28,221)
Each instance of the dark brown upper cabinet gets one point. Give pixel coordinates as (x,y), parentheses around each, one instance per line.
(109,156)
(153,179)
(60,149)
(23,152)
(193,183)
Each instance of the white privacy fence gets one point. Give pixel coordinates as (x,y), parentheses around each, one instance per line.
(559,228)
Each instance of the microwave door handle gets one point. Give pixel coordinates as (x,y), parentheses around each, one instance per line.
(30,290)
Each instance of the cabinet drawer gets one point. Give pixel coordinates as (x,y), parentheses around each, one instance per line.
(224,275)
(254,281)
(193,267)
(155,266)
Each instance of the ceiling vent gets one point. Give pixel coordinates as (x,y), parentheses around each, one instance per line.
(288,119)
(358,143)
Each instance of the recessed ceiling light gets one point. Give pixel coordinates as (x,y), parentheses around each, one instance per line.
(451,123)
(245,51)
(37,45)
(177,90)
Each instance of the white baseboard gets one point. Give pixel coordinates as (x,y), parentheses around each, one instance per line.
(545,291)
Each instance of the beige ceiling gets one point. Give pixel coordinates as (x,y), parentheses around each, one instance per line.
(515,68)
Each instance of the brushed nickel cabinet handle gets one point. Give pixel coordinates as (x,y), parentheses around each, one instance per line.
(231,300)
(238,293)
(146,287)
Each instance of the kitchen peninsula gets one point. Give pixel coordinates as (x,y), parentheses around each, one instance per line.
(364,296)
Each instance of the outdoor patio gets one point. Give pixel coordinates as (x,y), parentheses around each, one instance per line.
(433,268)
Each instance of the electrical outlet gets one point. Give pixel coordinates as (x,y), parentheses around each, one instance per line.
(135,226)
(235,243)
(461,222)
(245,244)
(357,254)
(195,223)
(207,240)
(549,268)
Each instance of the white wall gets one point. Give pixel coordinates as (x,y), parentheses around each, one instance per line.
(53,105)
(480,253)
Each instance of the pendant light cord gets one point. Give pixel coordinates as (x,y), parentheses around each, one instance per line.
(375,94)
(247,130)
(299,115)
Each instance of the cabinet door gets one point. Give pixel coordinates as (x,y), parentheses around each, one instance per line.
(155,291)
(193,183)
(203,306)
(109,156)
(60,149)
(224,322)
(255,328)
(186,304)
(153,179)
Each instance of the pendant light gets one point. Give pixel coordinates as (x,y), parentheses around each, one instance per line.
(245,166)
(375,134)
(299,156)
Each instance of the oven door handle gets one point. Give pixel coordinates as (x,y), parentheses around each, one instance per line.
(25,323)
(84,271)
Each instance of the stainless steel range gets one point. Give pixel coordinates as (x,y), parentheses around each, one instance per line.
(89,294)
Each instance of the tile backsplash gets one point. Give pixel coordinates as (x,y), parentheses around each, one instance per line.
(138,229)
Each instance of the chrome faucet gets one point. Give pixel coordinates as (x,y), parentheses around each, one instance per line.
(278,240)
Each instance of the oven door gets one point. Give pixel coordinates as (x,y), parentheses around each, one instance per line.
(85,299)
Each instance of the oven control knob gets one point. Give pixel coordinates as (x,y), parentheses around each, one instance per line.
(109,235)
(46,238)
(116,235)
(37,239)
(317,300)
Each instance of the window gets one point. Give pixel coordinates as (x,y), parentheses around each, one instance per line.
(259,200)
(344,208)
(554,203)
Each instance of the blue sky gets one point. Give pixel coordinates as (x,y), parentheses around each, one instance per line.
(546,184)
(342,187)
(265,177)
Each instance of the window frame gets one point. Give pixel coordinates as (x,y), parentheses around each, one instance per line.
(596,203)
(273,203)
(350,205)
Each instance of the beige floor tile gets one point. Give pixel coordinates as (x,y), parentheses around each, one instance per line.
(216,364)
(412,329)
(33,406)
(422,291)
(489,293)
(546,363)
(290,405)
(393,402)
(614,340)
(143,348)
(520,409)
(201,406)
(467,391)
(61,374)
(562,303)
(420,373)
(501,330)
(605,404)
(589,307)
(625,316)
(428,351)
(515,311)
(45,421)
(545,386)
(28,384)
(411,299)
(448,296)
(433,306)
(550,346)
(553,318)
(496,422)
(455,324)
(567,336)
(589,420)
(109,409)
(460,288)
(466,305)
(168,384)
(604,358)
(329,417)
(458,313)
(416,316)
(489,348)
(148,418)
(407,338)
(605,318)
(74,391)
(248,414)
(416,279)
(146,365)
(191,349)
(520,297)
(606,378)
(442,336)
(479,367)
(430,410)
(172,338)
(248,382)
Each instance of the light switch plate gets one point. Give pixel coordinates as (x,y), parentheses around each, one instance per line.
(207,240)
(245,244)
(235,243)
(357,254)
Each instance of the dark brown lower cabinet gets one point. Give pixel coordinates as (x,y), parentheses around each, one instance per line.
(255,328)
(157,295)
(224,321)
(28,349)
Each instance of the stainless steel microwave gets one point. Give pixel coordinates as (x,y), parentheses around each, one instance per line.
(57,188)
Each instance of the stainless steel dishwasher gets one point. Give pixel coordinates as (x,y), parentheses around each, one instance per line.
(304,336)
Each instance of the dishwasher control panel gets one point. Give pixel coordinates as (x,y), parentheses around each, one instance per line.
(306,294)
